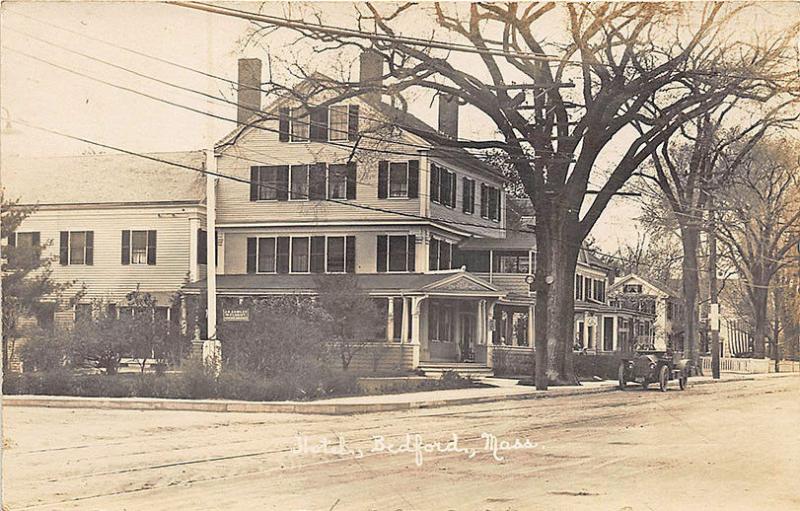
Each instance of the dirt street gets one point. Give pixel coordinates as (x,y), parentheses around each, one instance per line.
(732,446)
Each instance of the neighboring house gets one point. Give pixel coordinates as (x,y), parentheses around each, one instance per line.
(636,292)
(110,224)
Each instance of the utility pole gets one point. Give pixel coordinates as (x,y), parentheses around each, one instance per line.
(713,315)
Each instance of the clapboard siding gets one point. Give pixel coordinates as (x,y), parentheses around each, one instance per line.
(259,147)
(108,278)
(235,245)
(456,216)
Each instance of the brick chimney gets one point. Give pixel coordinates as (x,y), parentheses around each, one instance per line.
(448,116)
(370,73)
(249,85)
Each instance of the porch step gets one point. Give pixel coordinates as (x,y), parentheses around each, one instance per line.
(463,369)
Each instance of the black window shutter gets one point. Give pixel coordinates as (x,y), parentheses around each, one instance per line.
(352,123)
(12,239)
(435,180)
(254,182)
(283,124)
(251,254)
(126,247)
(282,182)
(383,253)
(453,188)
(383,179)
(37,239)
(413,179)
(282,262)
(317,254)
(63,248)
(151,248)
(433,254)
(465,195)
(458,260)
(350,254)
(412,252)
(318,132)
(202,247)
(89,259)
(351,181)
(316,184)
(484,202)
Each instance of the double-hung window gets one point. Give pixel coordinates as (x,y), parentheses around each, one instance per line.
(396,253)
(25,246)
(443,186)
(300,123)
(300,255)
(266,255)
(511,262)
(398,179)
(440,255)
(299,182)
(76,247)
(339,122)
(138,247)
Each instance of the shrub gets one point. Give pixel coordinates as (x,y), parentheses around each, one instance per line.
(43,352)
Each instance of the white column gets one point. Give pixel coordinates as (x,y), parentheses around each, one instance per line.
(414,305)
(390,320)
(404,327)
(221,251)
(614,333)
(480,323)
(531,326)
(211,242)
(194,271)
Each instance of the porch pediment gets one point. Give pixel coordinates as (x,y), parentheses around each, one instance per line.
(462,282)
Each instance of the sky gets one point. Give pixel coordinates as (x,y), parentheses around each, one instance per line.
(44,95)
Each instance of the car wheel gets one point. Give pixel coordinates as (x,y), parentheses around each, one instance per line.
(683,381)
(663,378)
(621,376)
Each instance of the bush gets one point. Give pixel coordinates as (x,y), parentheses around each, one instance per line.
(589,365)
(43,352)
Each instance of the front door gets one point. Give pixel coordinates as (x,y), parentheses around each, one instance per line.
(467,341)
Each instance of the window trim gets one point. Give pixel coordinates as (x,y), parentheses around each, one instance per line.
(69,261)
(389,181)
(274,255)
(346,132)
(308,182)
(291,127)
(406,252)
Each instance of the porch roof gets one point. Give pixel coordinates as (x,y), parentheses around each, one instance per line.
(455,283)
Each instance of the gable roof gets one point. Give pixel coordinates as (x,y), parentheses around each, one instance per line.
(653,283)
(394,116)
(104,178)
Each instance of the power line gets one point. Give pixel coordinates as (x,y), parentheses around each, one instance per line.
(248,182)
(427,43)
(188,68)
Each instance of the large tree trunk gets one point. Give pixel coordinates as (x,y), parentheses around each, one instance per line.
(759,301)
(556,258)
(690,236)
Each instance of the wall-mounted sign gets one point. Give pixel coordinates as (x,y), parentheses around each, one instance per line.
(235,314)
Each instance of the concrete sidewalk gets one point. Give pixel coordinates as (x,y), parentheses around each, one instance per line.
(354,404)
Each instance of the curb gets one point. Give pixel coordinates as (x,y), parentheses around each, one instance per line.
(316,408)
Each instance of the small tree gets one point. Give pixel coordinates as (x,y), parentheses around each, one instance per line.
(101,340)
(355,320)
(150,334)
(26,275)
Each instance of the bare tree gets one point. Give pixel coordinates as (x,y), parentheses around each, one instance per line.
(760,225)
(688,172)
(680,59)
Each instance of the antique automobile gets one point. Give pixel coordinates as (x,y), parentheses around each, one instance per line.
(650,366)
